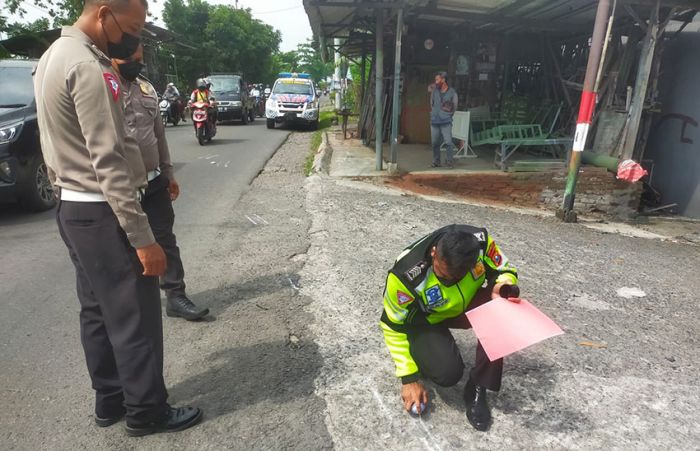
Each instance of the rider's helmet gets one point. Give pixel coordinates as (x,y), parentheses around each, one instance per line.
(171,85)
(201,84)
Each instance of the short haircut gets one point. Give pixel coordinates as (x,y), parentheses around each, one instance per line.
(459,250)
(111,3)
(442,74)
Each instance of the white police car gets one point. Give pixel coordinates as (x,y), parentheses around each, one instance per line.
(294,99)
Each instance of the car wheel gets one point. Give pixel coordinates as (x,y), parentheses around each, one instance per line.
(314,125)
(34,187)
(270,123)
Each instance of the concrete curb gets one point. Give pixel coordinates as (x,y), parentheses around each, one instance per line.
(322,159)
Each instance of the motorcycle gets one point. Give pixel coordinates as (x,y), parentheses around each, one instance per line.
(260,106)
(170,112)
(204,125)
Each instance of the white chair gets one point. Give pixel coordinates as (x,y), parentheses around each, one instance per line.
(460,131)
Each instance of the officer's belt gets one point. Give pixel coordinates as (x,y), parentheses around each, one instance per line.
(79,196)
(152,175)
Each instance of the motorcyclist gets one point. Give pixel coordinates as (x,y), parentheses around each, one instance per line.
(203,94)
(172,95)
(268,91)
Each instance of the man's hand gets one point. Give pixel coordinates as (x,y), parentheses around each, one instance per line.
(174,190)
(496,292)
(414,393)
(152,259)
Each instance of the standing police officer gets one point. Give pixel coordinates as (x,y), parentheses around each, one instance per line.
(144,123)
(428,290)
(99,175)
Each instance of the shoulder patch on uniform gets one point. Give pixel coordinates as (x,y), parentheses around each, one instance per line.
(478,270)
(416,271)
(494,255)
(480,236)
(146,88)
(433,296)
(403,298)
(112,84)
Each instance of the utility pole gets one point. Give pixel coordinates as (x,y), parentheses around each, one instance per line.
(379,88)
(395,101)
(585,113)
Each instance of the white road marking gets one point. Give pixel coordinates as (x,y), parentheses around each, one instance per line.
(209,157)
(630,292)
(251,220)
(430,436)
(260,219)
(227,163)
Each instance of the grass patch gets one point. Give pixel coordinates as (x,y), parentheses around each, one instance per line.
(316,139)
(325,119)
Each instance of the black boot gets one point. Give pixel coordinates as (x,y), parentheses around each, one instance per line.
(181,307)
(175,419)
(478,411)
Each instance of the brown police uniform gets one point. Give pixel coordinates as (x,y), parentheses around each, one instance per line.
(145,124)
(99,173)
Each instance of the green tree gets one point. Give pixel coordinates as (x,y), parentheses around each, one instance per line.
(286,62)
(227,40)
(311,62)
(60,12)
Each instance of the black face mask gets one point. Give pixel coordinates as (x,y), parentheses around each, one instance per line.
(130,70)
(126,46)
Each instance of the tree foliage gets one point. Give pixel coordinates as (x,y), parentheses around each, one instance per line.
(58,12)
(226,40)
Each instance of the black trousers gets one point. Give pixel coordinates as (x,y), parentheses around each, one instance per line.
(158,207)
(436,353)
(121,326)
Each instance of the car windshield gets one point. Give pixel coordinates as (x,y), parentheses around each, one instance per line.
(293,87)
(225,84)
(16,86)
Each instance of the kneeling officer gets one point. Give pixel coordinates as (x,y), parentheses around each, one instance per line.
(432,284)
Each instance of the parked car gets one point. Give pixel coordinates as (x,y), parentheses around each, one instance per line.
(231,94)
(23,174)
(294,100)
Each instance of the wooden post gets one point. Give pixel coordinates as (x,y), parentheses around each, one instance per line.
(641,83)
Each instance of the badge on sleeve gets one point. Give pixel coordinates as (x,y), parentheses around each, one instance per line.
(146,89)
(433,296)
(494,255)
(403,298)
(112,84)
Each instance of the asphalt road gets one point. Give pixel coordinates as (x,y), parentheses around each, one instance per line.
(44,388)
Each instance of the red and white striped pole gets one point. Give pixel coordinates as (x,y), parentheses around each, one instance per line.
(585,112)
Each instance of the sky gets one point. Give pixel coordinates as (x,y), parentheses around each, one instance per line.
(287,16)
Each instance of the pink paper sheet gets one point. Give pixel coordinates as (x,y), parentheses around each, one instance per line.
(504,327)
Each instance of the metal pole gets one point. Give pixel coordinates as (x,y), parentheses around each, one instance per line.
(363,70)
(379,88)
(177,79)
(397,80)
(585,112)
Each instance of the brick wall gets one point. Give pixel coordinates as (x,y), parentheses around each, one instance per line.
(597,189)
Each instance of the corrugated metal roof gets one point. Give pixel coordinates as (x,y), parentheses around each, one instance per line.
(331,18)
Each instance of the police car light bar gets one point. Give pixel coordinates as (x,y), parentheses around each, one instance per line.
(294,75)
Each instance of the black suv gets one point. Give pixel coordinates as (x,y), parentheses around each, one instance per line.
(23,175)
(231,95)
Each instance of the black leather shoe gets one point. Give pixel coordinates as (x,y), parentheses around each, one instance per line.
(182,307)
(478,411)
(176,419)
(107,421)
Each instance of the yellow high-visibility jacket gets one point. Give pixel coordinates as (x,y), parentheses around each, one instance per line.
(415,297)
